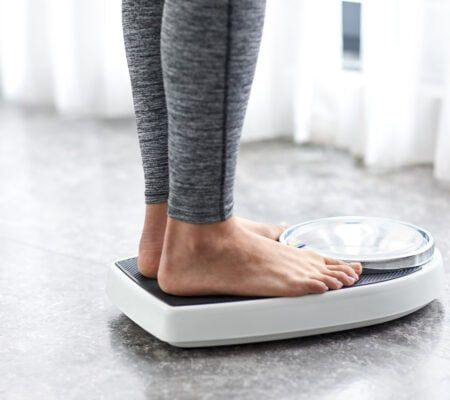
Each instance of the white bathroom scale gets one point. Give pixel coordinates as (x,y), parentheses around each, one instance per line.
(402,272)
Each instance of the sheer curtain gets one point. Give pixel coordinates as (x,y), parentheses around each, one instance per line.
(394,112)
(68,54)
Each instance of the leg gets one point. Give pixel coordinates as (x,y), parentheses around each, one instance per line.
(142,33)
(209,51)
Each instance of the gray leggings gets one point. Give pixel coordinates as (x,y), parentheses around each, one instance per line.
(191,65)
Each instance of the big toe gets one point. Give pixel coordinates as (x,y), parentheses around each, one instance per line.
(357,267)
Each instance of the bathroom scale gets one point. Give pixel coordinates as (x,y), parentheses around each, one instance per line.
(402,272)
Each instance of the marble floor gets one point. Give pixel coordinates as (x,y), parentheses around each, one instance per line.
(71,203)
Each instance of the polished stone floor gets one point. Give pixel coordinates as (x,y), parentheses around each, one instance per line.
(71,203)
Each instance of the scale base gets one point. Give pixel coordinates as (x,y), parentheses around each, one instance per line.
(224,320)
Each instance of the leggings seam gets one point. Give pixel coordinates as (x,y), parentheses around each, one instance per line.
(225,113)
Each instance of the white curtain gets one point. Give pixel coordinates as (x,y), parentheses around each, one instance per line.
(68,54)
(394,112)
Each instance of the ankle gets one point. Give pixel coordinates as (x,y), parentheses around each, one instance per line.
(185,242)
(197,237)
(191,250)
(155,215)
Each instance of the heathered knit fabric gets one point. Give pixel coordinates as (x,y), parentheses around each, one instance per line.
(193,90)
(142,33)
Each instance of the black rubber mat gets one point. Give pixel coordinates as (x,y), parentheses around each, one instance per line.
(129,267)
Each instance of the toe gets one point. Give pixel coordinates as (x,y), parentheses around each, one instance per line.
(345,269)
(347,280)
(357,267)
(315,286)
(331,281)
(332,261)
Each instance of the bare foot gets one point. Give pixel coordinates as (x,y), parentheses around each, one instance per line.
(152,237)
(225,258)
(270,231)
